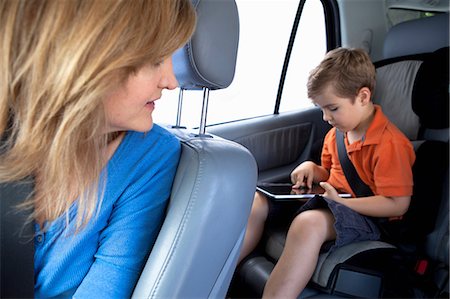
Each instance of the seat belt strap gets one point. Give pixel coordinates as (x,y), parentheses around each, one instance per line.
(358,186)
(17,242)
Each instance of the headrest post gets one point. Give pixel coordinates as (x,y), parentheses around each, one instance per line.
(180,105)
(204,111)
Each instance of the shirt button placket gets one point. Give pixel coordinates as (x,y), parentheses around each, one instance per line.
(40,238)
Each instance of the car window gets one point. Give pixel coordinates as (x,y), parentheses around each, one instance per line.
(265,27)
(308,50)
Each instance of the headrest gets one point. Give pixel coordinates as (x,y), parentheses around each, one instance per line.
(417,36)
(430,96)
(209,58)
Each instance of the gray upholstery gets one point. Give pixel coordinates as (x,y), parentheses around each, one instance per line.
(397,79)
(417,36)
(437,245)
(394,96)
(196,251)
(288,141)
(209,58)
(277,147)
(327,262)
(17,241)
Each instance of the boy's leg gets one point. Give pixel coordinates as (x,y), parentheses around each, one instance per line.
(308,231)
(255,225)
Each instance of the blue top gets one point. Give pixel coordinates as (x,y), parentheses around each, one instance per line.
(105,258)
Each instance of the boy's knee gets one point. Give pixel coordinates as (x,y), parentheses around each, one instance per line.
(260,207)
(311,220)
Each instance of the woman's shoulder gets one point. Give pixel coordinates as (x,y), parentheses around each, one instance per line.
(156,144)
(157,129)
(157,134)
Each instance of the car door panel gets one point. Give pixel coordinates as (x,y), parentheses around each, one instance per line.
(278,142)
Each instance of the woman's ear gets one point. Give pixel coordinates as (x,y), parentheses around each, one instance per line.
(364,96)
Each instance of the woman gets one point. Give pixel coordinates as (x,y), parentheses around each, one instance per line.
(78,83)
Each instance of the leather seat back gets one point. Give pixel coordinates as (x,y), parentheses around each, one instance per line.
(197,248)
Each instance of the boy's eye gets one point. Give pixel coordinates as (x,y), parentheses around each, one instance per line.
(332,109)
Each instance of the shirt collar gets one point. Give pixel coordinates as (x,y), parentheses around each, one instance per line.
(373,133)
(377,127)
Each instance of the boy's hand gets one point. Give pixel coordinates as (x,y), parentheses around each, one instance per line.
(303,175)
(330,192)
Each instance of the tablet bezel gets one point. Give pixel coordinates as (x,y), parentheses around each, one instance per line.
(269,190)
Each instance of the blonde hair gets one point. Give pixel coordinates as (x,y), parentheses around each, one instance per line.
(347,70)
(58,60)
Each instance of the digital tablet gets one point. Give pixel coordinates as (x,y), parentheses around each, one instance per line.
(285,191)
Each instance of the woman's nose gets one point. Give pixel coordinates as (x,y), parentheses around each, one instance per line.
(168,79)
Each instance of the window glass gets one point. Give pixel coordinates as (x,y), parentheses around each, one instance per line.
(308,50)
(265,27)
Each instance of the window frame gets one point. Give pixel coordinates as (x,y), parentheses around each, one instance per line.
(332,33)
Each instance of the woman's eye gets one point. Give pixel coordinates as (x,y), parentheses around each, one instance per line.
(158,64)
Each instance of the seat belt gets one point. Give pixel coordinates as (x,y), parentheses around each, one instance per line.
(358,186)
(17,242)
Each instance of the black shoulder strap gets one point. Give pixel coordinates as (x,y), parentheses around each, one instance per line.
(17,242)
(358,186)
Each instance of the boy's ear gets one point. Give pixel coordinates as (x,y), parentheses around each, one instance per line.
(364,95)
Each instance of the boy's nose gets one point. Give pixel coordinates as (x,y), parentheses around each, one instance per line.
(325,116)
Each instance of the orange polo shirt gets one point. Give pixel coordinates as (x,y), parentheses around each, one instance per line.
(383,159)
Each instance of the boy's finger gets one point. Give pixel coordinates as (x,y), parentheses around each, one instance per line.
(293,179)
(309,181)
(326,186)
(297,180)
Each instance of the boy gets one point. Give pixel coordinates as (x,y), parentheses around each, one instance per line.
(341,85)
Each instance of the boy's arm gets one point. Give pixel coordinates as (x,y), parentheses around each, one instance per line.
(374,206)
(308,173)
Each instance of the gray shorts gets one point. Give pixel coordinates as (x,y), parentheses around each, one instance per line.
(350,226)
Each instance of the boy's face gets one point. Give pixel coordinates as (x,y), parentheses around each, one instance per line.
(345,114)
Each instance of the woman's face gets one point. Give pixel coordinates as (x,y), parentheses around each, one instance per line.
(131,105)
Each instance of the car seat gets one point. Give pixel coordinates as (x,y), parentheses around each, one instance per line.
(17,242)
(413,92)
(196,251)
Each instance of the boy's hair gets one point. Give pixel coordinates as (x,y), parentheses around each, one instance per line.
(346,70)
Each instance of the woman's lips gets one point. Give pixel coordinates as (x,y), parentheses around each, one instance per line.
(150,105)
